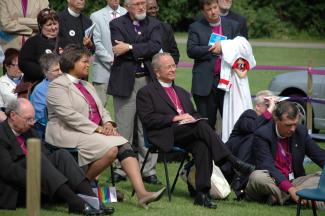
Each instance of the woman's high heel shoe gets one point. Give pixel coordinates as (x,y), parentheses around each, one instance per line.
(144,201)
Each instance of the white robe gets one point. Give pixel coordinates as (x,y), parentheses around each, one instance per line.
(237,97)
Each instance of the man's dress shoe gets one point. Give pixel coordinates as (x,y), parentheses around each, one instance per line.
(106,210)
(144,201)
(203,200)
(87,211)
(117,177)
(243,167)
(153,179)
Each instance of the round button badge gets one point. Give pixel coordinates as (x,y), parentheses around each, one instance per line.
(72,33)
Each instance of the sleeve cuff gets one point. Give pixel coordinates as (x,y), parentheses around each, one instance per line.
(267,115)
(285,185)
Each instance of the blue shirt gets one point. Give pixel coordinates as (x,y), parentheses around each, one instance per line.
(38,99)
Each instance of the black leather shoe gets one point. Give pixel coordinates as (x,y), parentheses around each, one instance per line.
(87,210)
(106,210)
(203,200)
(153,179)
(243,167)
(117,177)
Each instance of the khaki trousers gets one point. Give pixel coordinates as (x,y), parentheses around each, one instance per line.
(125,114)
(261,185)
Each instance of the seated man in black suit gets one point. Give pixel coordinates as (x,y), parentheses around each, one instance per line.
(61,176)
(280,147)
(169,117)
(241,138)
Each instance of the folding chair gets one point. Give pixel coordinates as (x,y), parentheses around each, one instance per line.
(155,150)
(315,194)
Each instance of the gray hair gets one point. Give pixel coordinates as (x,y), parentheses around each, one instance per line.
(261,94)
(48,60)
(12,106)
(155,62)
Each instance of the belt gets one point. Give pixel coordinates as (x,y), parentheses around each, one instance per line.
(139,75)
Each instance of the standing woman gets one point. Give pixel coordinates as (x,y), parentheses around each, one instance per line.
(77,119)
(47,41)
(8,82)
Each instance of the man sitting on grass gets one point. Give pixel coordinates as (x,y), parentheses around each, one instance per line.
(280,147)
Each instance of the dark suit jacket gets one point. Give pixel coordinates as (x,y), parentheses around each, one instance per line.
(242,22)
(168,41)
(240,142)
(12,173)
(66,27)
(156,112)
(301,144)
(204,61)
(145,46)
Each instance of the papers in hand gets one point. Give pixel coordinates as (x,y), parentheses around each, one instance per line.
(215,38)
(89,31)
(191,122)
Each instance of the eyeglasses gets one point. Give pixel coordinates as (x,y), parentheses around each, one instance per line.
(139,4)
(171,66)
(29,121)
(47,11)
(155,8)
(14,65)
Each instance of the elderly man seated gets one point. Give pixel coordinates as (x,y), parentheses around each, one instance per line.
(280,147)
(61,176)
(241,138)
(169,117)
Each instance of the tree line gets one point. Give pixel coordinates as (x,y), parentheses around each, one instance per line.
(265,18)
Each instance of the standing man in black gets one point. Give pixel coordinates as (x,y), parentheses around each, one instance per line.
(73,24)
(135,39)
(61,176)
(168,40)
(207,62)
(169,117)
(225,11)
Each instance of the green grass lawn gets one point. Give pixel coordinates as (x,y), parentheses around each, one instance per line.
(181,203)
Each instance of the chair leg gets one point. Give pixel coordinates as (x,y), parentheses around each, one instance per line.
(177,174)
(142,167)
(313,204)
(112,179)
(167,177)
(298,207)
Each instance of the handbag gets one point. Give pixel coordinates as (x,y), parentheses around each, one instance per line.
(220,188)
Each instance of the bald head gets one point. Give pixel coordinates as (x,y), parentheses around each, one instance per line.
(152,8)
(20,114)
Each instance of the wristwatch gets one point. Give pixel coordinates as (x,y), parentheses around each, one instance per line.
(130,47)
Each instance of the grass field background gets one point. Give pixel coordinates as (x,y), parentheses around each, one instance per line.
(181,203)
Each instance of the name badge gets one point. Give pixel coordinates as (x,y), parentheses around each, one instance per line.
(291,176)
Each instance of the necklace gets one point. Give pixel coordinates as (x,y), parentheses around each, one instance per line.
(176,102)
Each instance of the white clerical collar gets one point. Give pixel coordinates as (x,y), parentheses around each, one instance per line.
(15,133)
(224,14)
(277,133)
(215,24)
(72,13)
(73,79)
(164,84)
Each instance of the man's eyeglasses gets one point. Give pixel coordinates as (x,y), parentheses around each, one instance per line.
(139,4)
(171,66)
(29,121)
(153,9)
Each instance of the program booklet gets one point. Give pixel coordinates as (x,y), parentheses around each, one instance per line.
(215,38)
(89,31)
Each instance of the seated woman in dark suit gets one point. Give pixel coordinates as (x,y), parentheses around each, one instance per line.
(77,119)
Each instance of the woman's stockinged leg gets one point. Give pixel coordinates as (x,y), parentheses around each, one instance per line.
(96,167)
